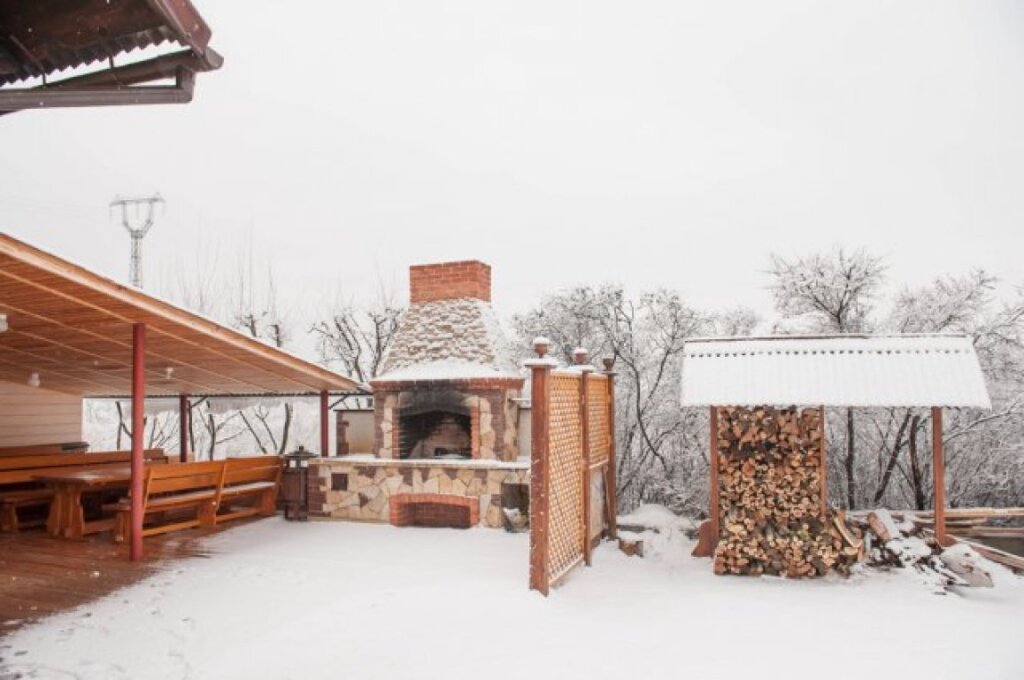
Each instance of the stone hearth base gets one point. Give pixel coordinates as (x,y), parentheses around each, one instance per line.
(360,487)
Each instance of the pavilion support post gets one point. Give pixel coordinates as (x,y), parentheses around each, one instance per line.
(324,422)
(184,413)
(713,509)
(939,472)
(138,435)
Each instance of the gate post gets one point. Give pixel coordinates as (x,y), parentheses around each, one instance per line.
(540,402)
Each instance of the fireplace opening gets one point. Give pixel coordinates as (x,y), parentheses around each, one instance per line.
(435,434)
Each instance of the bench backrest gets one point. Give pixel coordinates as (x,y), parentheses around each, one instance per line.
(21,469)
(36,449)
(252,469)
(183,477)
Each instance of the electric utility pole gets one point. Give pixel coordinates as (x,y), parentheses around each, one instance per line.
(140,206)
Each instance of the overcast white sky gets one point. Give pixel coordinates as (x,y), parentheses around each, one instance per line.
(654,143)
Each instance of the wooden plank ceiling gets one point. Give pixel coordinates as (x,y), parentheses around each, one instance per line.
(74,328)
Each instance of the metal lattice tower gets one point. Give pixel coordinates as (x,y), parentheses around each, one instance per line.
(141,206)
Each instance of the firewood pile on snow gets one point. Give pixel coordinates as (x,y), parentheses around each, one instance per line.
(772,518)
(906,544)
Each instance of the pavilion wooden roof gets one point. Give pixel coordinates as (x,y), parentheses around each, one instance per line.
(43,38)
(74,328)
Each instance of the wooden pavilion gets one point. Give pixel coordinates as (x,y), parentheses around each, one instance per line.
(910,371)
(70,333)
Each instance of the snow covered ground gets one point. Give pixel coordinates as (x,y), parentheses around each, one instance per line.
(330,600)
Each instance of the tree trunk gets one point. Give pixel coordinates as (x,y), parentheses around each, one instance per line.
(213,435)
(285,430)
(851,483)
(893,455)
(191,432)
(915,467)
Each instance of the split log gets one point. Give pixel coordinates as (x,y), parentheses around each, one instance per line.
(705,545)
(632,546)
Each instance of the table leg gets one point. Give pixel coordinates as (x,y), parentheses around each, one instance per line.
(54,521)
(75,527)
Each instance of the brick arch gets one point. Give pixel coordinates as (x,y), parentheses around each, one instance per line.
(434,510)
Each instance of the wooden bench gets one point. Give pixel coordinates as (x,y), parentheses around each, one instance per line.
(185,495)
(191,488)
(19,488)
(257,478)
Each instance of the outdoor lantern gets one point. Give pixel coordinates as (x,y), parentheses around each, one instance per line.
(294,495)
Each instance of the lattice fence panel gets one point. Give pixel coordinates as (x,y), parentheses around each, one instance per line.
(597,415)
(565,467)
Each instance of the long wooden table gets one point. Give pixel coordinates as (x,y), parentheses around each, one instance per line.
(67,514)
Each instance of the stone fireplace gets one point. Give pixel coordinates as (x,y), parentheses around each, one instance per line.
(435,434)
(446,414)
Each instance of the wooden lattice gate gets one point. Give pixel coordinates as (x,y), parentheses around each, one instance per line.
(572,483)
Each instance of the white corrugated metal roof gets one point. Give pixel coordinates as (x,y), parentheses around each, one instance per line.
(846,370)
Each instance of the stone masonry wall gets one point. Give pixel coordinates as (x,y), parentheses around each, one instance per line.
(362,490)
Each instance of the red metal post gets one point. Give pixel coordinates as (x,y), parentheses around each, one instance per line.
(324,420)
(939,471)
(184,414)
(138,434)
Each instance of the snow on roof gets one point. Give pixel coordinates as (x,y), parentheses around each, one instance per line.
(446,369)
(449,340)
(847,370)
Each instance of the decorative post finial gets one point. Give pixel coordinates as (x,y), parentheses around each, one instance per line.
(580,356)
(609,364)
(541,346)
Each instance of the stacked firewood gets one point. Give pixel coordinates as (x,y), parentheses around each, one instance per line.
(772,520)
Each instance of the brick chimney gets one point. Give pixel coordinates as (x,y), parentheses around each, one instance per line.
(450,281)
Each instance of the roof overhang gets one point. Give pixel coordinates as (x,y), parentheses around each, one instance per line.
(73,328)
(39,39)
(838,370)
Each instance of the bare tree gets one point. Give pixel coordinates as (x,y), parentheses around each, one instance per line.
(831,293)
(357,338)
(659,459)
(255,311)
(738,321)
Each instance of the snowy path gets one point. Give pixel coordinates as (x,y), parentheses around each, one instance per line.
(358,601)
